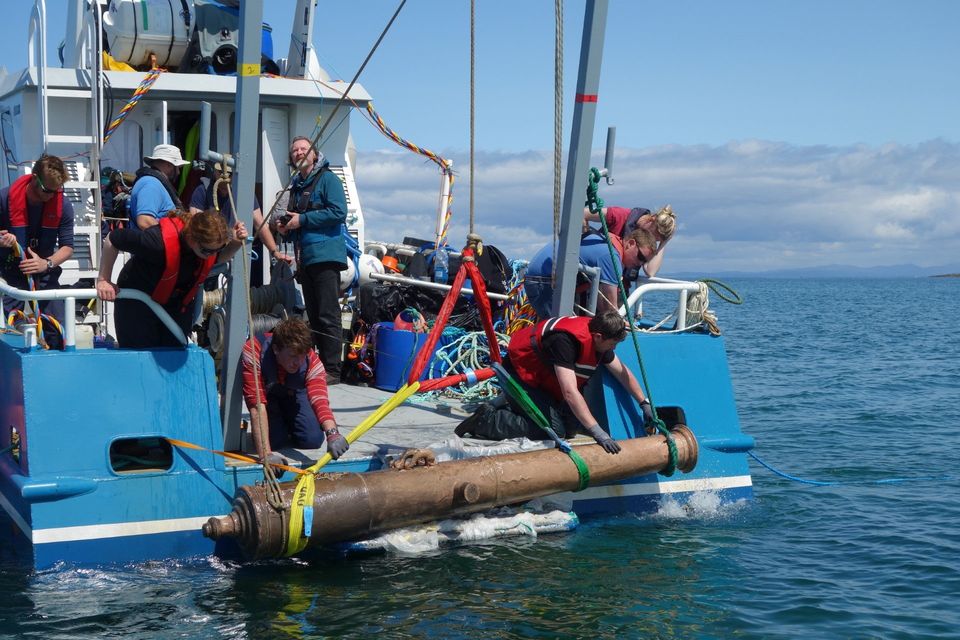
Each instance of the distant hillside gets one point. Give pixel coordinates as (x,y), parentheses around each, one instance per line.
(830,271)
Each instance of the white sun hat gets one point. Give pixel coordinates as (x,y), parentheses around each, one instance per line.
(167,152)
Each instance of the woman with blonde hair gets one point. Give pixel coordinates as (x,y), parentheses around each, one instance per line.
(622,221)
(169,262)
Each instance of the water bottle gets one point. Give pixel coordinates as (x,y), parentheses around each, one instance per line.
(441,262)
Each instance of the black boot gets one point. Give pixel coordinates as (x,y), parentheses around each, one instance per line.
(480,415)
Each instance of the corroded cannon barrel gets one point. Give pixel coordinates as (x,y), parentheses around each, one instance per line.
(350,506)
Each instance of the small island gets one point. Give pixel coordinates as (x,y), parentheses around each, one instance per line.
(947,275)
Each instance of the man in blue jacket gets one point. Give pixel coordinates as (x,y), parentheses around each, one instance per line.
(316,216)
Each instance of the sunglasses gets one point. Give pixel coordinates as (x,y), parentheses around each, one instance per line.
(44,188)
(204,251)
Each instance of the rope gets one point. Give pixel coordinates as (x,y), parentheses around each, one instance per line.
(719,287)
(145,85)
(343,97)
(821,483)
(473,99)
(34,306)
(595,202)
(274,495)
(443,163)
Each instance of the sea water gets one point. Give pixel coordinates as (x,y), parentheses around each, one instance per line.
(844,381)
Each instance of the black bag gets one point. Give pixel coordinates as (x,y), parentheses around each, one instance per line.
(495,268)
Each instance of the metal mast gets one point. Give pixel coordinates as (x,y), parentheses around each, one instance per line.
(578,161)
(245,173)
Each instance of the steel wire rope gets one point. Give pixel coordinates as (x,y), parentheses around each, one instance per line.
(336,107)
(274,496)
(473,98)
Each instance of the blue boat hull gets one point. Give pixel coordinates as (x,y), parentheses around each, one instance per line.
(66,497)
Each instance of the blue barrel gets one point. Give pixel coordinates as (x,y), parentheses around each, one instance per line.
(394,355)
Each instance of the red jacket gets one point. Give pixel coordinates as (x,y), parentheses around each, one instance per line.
(526,355)
(170,228)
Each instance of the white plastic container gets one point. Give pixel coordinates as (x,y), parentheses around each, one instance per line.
(136,28)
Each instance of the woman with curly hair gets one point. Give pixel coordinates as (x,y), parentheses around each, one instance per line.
(169,262)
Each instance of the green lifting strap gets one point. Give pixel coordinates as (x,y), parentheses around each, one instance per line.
(661,427)
(519,394)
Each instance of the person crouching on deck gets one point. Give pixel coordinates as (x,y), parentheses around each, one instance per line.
(35,215)
(292,392)
(553,361)
(169,262)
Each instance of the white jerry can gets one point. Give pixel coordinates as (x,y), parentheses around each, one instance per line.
(136,28)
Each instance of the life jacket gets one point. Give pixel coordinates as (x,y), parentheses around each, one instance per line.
(301,199)
(18,222)
(527,359)
(170,232)
(293,383)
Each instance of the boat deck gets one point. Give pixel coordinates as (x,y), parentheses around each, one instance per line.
(416,423)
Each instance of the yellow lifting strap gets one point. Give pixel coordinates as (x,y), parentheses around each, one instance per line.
(303,495)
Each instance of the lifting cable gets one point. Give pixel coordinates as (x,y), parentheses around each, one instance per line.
(343,97)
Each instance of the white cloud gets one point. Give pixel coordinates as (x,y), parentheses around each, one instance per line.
(750,205)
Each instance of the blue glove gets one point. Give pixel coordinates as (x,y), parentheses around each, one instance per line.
(647,412)
(603,439)
(337,445)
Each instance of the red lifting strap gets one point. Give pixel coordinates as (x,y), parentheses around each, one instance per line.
(467,267)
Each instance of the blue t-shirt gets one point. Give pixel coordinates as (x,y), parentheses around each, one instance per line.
(149,197)
(593,253)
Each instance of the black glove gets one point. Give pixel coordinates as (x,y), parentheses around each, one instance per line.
(337,445)
(603,439)
(647,412)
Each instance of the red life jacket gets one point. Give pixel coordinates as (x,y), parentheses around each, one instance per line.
(17,209)
(526,353)
(170,232)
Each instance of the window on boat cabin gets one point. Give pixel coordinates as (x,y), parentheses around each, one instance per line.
(151,454)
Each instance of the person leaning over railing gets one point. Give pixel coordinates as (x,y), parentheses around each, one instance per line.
(35,215)
(169,263)
(622,221)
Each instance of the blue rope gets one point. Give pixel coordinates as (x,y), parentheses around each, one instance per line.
(820,483)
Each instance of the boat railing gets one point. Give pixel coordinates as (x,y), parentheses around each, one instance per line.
(70,297)
(683,289)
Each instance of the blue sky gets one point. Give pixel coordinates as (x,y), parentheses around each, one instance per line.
(784,134)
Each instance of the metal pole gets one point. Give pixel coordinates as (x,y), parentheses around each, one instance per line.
(578,160)
(245,172)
